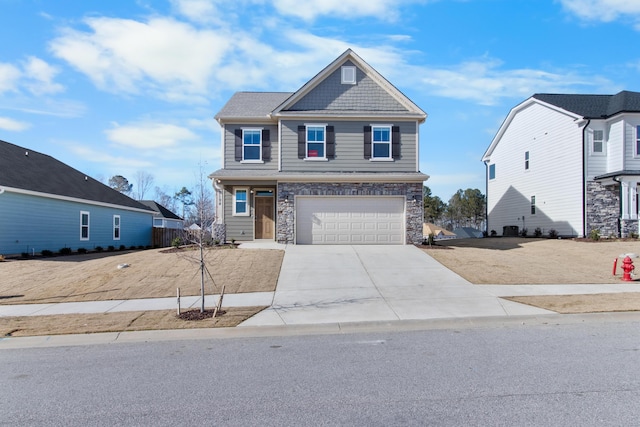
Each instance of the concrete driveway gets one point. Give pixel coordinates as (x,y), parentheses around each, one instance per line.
(336,284)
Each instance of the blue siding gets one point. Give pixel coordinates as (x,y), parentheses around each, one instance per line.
(32,223)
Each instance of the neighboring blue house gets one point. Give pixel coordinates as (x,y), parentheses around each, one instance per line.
(47,205)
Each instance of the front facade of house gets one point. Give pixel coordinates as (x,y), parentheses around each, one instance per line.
(66,210)
(569,163)
(334,163)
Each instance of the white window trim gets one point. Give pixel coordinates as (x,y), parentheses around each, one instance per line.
(259,130)
(88,225)
(637,142)
(306,144)
(348,75)
(118,227)
(247,210)
(593,144)
(382,159)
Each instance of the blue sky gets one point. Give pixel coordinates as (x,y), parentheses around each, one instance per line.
(117,87)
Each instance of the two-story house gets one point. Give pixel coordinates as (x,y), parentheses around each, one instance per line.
(570,163)
(335,162)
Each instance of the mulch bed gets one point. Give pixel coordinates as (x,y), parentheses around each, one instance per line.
(197,315)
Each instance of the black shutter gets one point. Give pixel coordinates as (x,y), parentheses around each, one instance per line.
(302,142)
(367,142)
(266,145)
(395,142)
(238,145)
(331,143)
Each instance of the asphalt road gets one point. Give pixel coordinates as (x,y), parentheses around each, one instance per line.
(541,375)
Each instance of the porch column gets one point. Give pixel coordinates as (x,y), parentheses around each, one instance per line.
(628,197)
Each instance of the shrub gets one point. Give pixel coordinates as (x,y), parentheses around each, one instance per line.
(122,247)
(634,235)
(176,242)
(493,233)
(111,248)
(537,232)
(148,247)
(216,242)
(46,252)
(140,247)
(594,234)
(132,247)
(524,232)
(65,251)
(24,254)
(99,249)
(553,234)
(82,250)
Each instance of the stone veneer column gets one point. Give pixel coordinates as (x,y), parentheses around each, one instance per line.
(603,209)
(411,191)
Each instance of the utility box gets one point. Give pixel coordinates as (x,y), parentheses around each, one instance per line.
(510,231)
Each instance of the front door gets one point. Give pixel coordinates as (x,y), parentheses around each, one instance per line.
(264,217)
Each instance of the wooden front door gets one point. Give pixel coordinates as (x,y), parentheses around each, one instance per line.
(264,217)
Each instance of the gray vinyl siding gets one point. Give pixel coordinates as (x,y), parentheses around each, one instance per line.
(31,223)
(230,161)
(236,225)
(332,95)
(349,148)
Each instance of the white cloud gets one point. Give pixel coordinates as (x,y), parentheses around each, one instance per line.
(198,10)
(312,9)
(603,10)
(40,77)
(9,77)
(170,58)
(13,125)
(150,135)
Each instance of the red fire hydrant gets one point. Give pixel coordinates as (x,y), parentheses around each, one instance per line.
(627,267)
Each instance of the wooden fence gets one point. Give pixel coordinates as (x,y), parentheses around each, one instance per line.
(162,237)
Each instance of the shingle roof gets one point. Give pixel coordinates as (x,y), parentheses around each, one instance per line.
(594,106)
(26,169)
(252,105)
(166,213)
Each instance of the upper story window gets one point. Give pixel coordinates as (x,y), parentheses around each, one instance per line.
(533,205)
(251,144)
(116,227)
(526,160)
(315,142)
(241,201)
(84,225)
(598,141)
(492,171)
(637,140)
(381,142)
(348,75)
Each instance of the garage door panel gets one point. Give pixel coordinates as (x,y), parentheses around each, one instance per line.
(350,220)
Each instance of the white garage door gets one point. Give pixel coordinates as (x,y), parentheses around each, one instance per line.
(350,220)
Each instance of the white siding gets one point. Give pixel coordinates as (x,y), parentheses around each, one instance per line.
(596,162)
(554,142)
(616,146)
(631,161)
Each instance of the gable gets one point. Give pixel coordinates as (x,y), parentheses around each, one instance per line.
(332,95)
(31,171)
(371,94)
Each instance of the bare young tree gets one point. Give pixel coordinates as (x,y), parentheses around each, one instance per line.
(144,182)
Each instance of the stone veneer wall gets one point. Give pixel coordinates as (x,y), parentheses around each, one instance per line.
(220,233)
(603,209)
(287,191)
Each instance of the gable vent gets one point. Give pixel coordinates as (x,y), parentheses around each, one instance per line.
(348,74)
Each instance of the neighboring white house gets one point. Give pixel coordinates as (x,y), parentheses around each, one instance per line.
(570,163)
(164,218)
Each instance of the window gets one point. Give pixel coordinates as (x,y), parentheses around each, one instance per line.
(492,171)
(598,141)
(251,144)
(348,75)
(637,140)
(240,201)
(84,225)
(380,142)
(533,205)
(315,142)
(526,160)
(116,227)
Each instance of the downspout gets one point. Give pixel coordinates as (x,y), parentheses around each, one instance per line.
(220,202)
(584,178)
(616,179)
